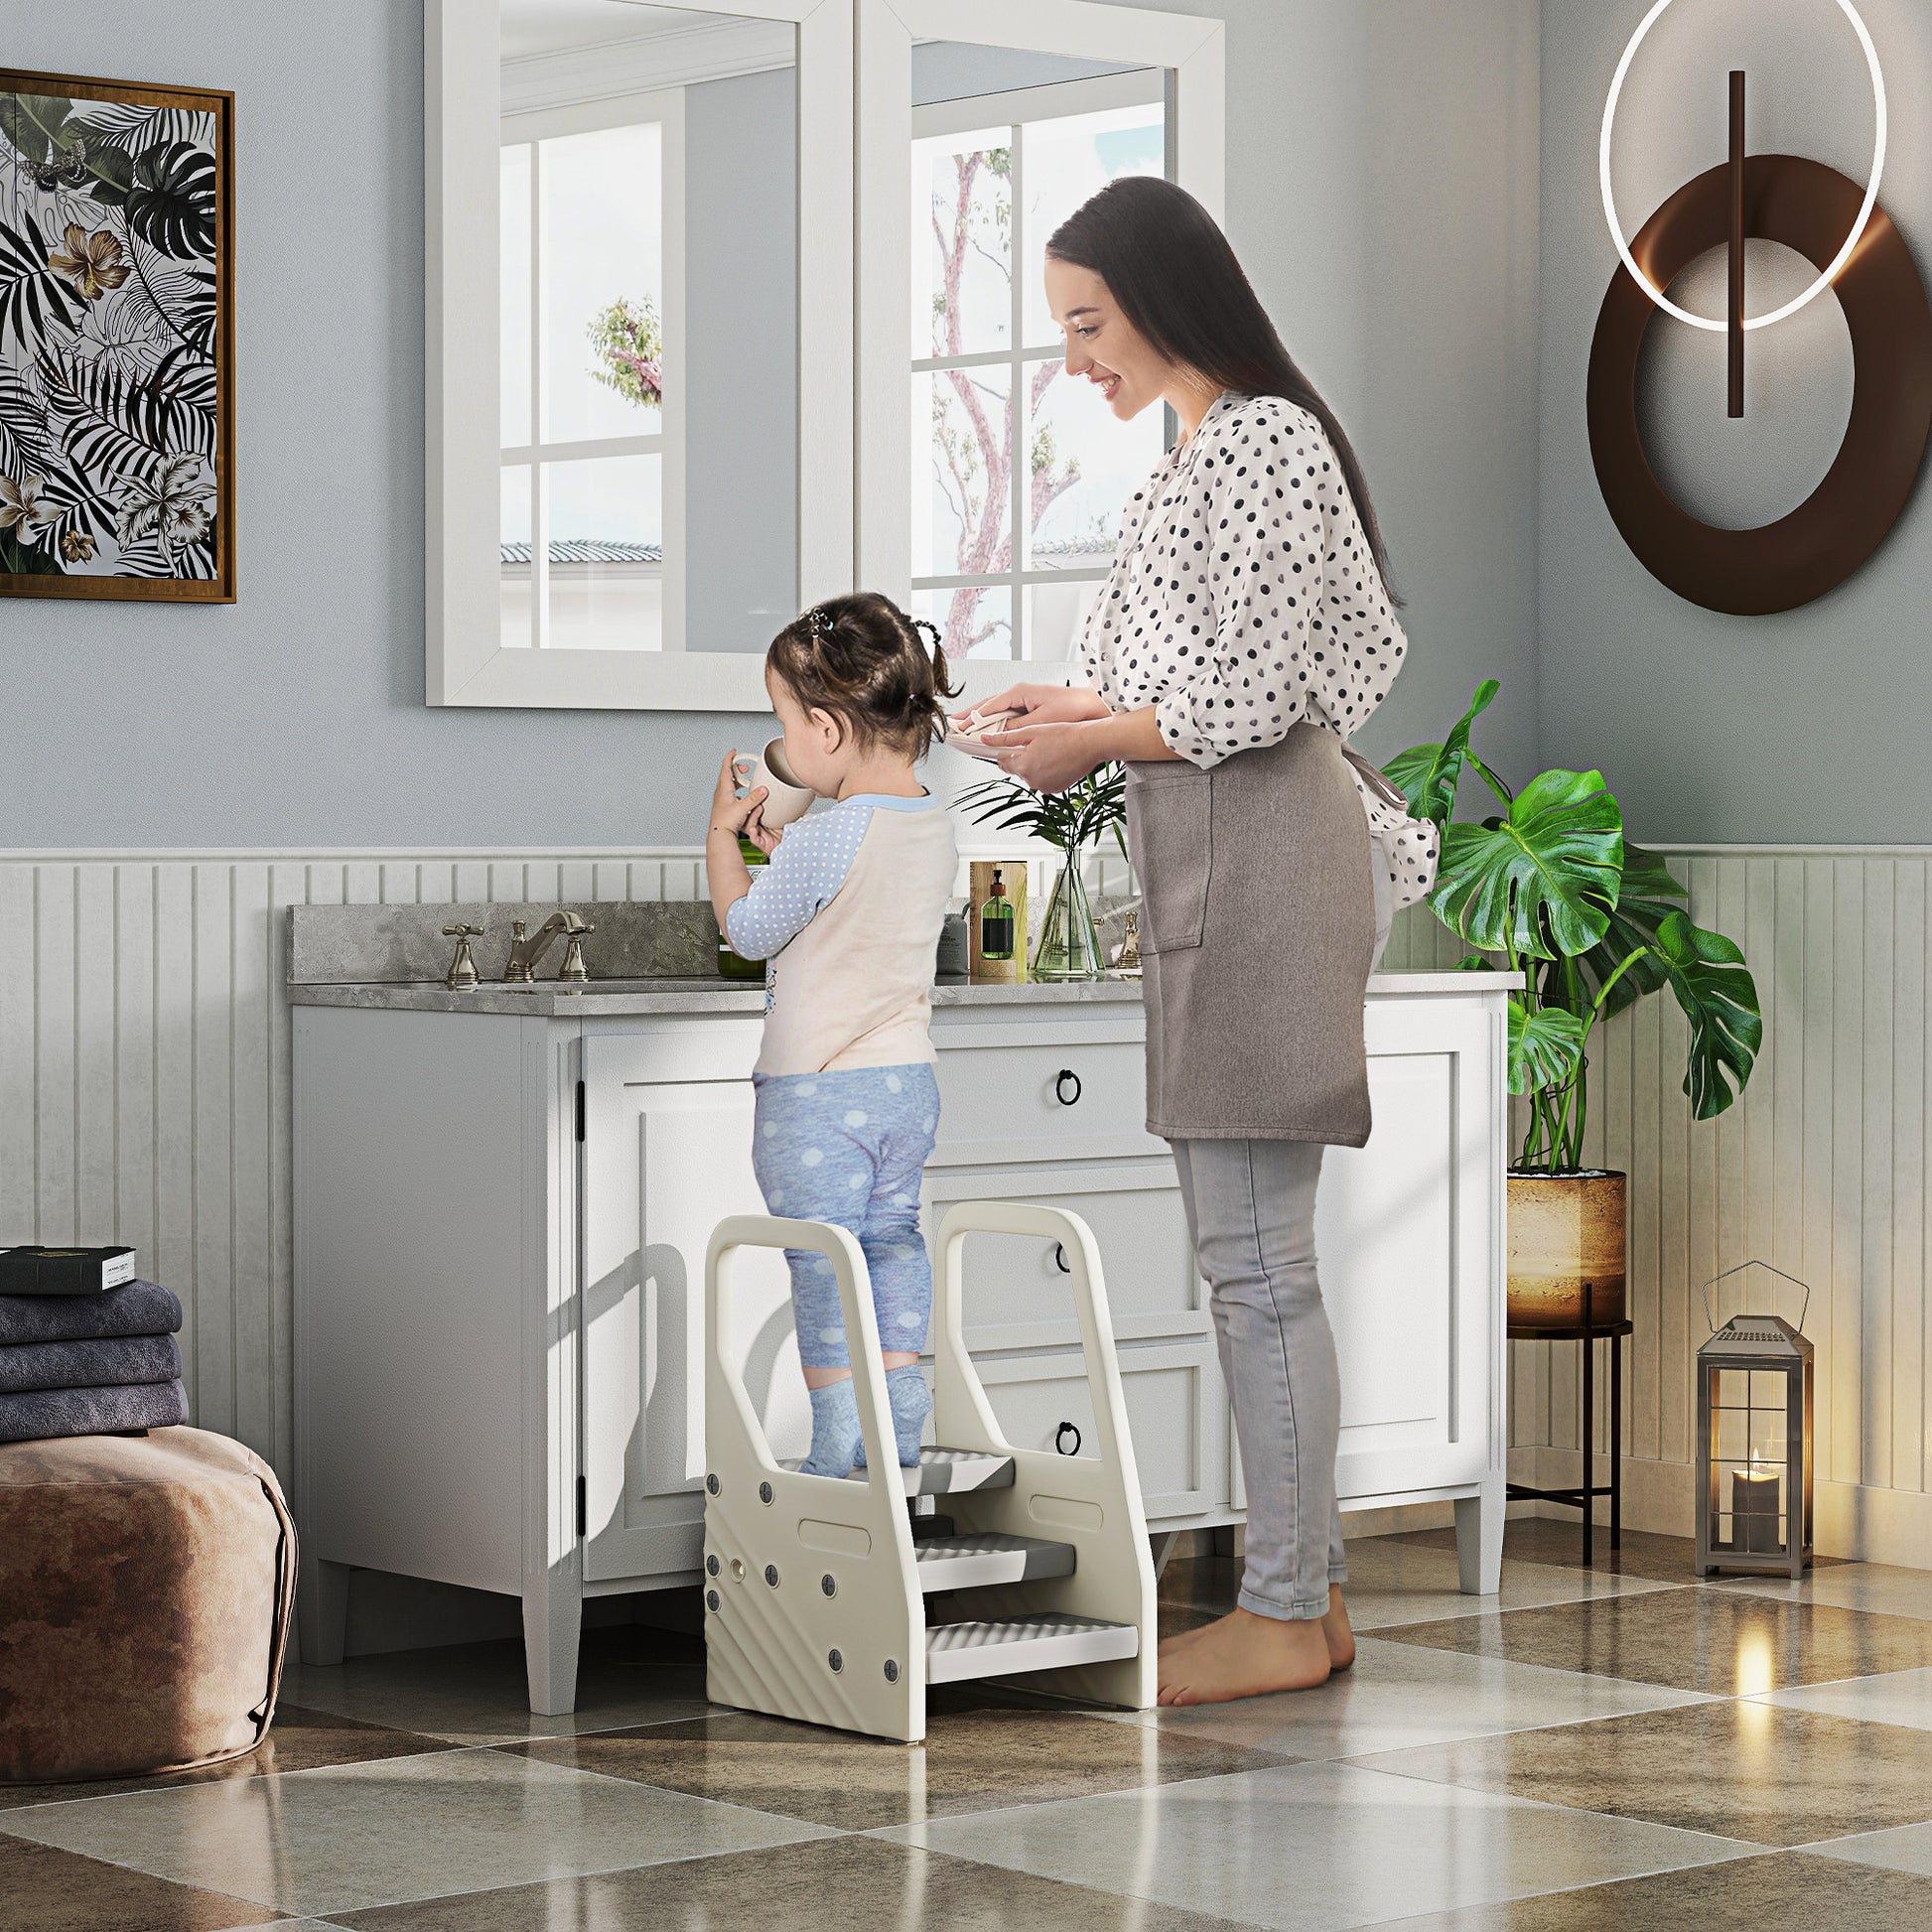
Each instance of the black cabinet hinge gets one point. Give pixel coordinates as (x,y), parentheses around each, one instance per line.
(583,1507)
(580,1110)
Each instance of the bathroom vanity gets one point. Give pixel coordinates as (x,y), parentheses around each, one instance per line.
(502,1198)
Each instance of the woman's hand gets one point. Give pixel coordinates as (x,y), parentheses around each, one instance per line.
(1041,704)
(732,814)
(1049,757)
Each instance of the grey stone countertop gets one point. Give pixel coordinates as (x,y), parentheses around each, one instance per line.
(637,997)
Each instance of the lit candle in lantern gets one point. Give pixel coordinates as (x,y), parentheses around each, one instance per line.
(1754,1510)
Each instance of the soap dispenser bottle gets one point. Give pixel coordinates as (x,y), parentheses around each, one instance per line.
(995,923)
(731,965)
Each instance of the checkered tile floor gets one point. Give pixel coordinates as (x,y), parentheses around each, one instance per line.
(1615,1748)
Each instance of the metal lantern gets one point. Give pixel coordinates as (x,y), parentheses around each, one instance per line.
(1754,1450)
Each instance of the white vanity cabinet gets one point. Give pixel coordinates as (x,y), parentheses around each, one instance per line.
(502,1201)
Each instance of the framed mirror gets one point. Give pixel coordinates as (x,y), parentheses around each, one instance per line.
(991,484)
(639,456)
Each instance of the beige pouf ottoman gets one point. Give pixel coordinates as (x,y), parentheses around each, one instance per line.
(146,1587)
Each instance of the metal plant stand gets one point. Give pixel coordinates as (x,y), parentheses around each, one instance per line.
(1585,1495)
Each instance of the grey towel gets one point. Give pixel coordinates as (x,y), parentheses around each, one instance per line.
(138,1308)
(90,1412)
(112,1359)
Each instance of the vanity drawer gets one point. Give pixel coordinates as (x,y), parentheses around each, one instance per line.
(1017,1294)
(1043,1093)
(1176,1411)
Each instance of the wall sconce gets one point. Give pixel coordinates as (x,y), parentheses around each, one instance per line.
(1848,236)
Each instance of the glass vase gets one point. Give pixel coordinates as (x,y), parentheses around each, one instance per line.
(1068,946)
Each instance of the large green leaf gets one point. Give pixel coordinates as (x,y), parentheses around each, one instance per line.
(171,202)
(1715,988)
(1544,877)
(1428,774)
(1642,905)
(32,124)
(1546,1048)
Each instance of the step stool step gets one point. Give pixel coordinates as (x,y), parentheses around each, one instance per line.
(969,1562)
(1046,1641)
(946,1471)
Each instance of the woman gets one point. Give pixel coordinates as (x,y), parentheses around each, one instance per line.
(1246,630)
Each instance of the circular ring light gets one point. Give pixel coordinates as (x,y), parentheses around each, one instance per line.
(1830,274)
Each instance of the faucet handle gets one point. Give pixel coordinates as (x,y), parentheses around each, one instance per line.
(574,968)
(463,974)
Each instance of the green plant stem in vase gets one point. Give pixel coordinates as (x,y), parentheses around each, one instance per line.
(1069,947)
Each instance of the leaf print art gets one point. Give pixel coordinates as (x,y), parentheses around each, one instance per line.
(90,264)
(115,382)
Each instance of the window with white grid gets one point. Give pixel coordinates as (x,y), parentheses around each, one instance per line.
(1019,471)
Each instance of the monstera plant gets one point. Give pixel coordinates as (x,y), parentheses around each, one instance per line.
(1547,885)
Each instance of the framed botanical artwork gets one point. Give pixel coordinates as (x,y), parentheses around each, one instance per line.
(116,340)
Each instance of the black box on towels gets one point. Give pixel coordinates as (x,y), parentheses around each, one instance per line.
(64,1270)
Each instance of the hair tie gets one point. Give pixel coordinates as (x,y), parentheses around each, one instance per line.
(932,629)
(820,624)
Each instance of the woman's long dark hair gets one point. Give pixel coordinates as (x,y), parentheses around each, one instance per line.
(1167,264)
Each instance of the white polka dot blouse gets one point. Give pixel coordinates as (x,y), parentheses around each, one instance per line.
(1244,598)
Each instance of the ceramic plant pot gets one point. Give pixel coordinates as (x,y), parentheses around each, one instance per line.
(1566,1249)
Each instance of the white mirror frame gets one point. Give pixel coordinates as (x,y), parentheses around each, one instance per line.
(1189,48)
(465,661)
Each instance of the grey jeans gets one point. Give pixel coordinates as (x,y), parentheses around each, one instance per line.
(1251,1217)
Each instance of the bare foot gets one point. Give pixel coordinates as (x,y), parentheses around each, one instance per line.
(1334,1626)
(1187,1639)
(1246,1656)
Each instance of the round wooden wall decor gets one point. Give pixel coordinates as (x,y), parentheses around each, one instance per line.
(1749,572)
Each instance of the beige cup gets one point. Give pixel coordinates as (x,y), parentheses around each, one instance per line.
(786,798)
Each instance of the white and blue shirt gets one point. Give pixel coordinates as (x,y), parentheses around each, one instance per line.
(848,912)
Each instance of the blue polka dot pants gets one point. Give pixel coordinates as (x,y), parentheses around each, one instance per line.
(850,1147)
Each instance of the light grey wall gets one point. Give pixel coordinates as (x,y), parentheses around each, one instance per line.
(1803,726)
(1382,192)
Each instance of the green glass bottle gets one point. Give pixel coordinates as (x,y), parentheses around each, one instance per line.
(995,923)
(730,964)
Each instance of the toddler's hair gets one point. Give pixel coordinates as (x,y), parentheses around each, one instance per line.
(861,659)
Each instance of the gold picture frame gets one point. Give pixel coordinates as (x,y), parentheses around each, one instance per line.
(116,340)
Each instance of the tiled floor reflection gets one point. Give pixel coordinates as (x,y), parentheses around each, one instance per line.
(1619,1747)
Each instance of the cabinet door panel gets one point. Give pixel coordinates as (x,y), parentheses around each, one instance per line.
(664,1163)
(1407,1236)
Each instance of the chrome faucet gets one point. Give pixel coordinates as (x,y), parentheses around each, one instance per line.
(527,951)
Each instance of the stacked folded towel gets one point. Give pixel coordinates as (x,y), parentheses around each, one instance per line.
(89,1365)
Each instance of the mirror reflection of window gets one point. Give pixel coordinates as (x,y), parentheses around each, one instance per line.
(648,394)
(1020,471)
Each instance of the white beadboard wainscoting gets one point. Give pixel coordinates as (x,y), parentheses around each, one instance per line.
(144,1066)
(144,1072)
(1821,1169)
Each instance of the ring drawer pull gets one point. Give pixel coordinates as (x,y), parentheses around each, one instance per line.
(1060,1435)
(1060,1079)
(1060,1259)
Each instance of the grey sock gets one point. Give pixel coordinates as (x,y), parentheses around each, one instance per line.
(912,1404)
(835,1431)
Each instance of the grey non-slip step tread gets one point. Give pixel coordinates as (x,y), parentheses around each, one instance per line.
(970,1562)
(947,1472)
(1045,1640)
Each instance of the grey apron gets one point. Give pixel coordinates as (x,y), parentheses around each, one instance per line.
(1257,929)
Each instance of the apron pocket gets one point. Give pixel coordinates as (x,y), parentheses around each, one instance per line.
(1170,830)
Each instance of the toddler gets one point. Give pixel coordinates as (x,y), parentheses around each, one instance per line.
(847,914)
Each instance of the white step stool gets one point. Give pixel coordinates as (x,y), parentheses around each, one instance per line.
(815,1588)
